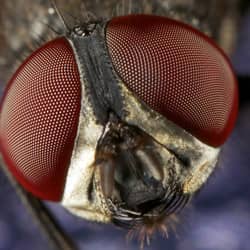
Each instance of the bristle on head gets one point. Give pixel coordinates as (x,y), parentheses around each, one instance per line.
(150,225)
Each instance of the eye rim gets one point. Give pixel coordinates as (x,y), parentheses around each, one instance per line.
(45,193)
(211,136)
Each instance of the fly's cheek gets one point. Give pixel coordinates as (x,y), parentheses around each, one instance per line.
(39,119)
(178,72)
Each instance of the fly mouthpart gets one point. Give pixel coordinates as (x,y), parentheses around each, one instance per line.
(132,177)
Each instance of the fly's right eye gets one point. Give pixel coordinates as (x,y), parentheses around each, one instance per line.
(39,118)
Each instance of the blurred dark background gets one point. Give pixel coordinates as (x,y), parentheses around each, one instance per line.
(219,216)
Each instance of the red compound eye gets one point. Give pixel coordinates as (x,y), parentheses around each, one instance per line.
(39,118)
(177,71)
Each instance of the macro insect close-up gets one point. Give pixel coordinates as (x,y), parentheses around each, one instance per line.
(124,124)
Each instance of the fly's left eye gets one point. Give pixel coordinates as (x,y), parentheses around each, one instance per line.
(177,71)
(39,118)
